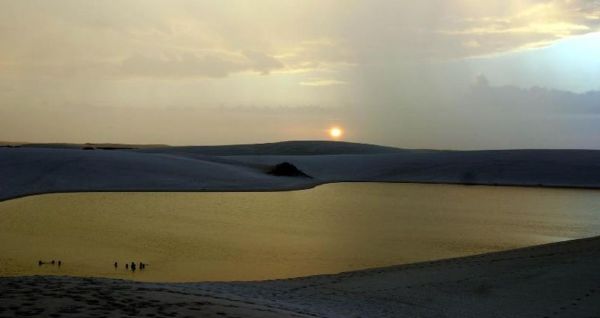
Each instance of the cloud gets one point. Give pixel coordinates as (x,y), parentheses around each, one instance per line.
(266,37)
(262,63)
(530,24)
(381,31)
(483,117)
(403,66)
(532,100)
(192,65)
(321,55)
(322,82)
(172,66)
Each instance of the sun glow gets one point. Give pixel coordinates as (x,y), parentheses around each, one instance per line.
(336,132)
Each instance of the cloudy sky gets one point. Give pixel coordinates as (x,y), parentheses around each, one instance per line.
(454,74)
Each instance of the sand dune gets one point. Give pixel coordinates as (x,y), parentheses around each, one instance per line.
(25,171)
(555,280)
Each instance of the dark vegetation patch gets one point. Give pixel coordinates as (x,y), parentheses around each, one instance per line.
(286,169)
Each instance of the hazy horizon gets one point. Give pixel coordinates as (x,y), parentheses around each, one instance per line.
(435,74)
(100,143)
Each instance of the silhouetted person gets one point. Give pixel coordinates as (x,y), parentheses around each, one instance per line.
(40,263)
(132,266)
(52,262)
(59,263)
(116,265)
(141,265)
(126,266)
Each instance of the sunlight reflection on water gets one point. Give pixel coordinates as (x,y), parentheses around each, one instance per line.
(247,236)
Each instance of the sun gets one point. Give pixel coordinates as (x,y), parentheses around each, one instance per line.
(336,132)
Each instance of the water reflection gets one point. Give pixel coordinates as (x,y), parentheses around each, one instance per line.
(244,236)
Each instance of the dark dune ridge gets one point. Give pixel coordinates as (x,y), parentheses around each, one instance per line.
(34,170)
(289,148)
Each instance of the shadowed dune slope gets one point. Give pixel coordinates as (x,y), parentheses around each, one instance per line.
(568,168)
(289,148)
(35,170)
(25,171)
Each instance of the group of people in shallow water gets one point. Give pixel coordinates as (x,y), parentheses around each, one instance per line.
(52,262)
(132,266)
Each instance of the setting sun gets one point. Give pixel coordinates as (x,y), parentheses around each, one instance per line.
(336,132)
(376,158)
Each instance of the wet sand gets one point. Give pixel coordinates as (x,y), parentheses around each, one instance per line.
(554,280)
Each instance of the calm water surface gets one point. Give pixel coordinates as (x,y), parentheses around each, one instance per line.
(247,236)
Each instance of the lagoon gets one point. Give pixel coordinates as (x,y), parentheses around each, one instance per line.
(265,235)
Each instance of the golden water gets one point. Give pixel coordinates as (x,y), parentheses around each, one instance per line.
(248,236)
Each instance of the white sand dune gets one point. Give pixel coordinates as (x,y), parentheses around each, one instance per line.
(25,171)
(33,170)
(555,280)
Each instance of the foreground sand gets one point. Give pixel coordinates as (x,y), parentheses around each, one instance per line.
(555,280)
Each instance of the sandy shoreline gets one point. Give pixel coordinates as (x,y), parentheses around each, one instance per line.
(554,280)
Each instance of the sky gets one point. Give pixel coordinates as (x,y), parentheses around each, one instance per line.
(444,74)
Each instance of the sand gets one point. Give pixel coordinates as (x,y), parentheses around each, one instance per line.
(557,280)
(554,280)
(26,171)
